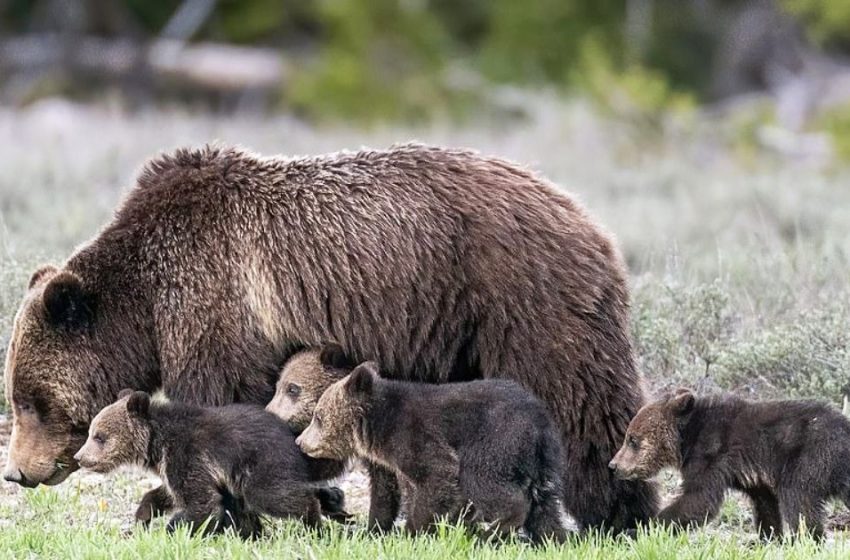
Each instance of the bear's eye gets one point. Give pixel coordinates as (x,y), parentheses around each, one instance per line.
(318,420)
(293,390)
(99,439)
(633,442)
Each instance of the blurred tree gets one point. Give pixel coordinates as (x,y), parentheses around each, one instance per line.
(377,59)
(827,21)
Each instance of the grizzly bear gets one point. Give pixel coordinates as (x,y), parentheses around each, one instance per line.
(789,457)
(224,464)
(482,450)
(220,264)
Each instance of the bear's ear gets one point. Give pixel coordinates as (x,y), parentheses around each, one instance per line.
(333,355)
(138,404)
(124,393)
(362,379)
(682,402)
(43,272)
(66,302)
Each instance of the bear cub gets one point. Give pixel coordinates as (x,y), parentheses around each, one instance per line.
(303,379)
(788,456)
(225,464)
(485,450)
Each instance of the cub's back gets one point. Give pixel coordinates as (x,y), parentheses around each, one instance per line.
(483,410)
(242,436)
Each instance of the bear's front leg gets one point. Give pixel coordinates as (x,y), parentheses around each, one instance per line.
(154,503)
(384,498)
(192,521)
(698,503)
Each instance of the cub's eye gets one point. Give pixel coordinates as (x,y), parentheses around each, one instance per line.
(318,420)
(633,442)
(99,439)
(293,390)
(25,408)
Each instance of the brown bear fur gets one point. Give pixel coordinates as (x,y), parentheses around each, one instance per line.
(483,450)
(227,464)
(441,265)
(789,457)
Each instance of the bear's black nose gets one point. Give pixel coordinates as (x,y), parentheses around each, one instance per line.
(14,475)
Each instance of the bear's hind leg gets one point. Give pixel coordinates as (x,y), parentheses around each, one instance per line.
(286,500)
(436,490)
(545,518)
(799,509)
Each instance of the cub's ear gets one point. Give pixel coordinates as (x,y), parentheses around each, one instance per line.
(66,302)
(362,380)
(682,402)
(39,275)
(333,355)
(138,404)
(124,393)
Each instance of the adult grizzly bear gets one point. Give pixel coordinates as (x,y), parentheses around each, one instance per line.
(441,265)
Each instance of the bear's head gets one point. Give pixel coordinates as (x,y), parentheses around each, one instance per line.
(302,381)
(118,435)
(67,358)
(333,431)
(652,440)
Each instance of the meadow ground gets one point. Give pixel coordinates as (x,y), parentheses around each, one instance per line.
(740,262)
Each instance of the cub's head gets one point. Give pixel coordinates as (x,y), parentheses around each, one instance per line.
(119,434)
(333,431)
(652,438)
(303,380)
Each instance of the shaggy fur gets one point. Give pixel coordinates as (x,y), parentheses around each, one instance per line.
(485,450)
(441,265)
(789,457)
(227,464)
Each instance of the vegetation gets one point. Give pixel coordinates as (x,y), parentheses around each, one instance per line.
(376,60)
(46,533)
(739,271)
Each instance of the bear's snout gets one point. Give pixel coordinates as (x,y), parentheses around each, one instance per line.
(82,460)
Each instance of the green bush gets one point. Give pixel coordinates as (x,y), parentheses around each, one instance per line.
(692,335)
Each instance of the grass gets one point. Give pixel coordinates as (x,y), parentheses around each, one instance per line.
(67,527)
(739,270)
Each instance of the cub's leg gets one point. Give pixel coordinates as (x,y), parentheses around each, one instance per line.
(766,514)
(495,499)
(287,499)
(798,508)
(154,503)
(384,498)
(699,502)
(436,489)
(202,501)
